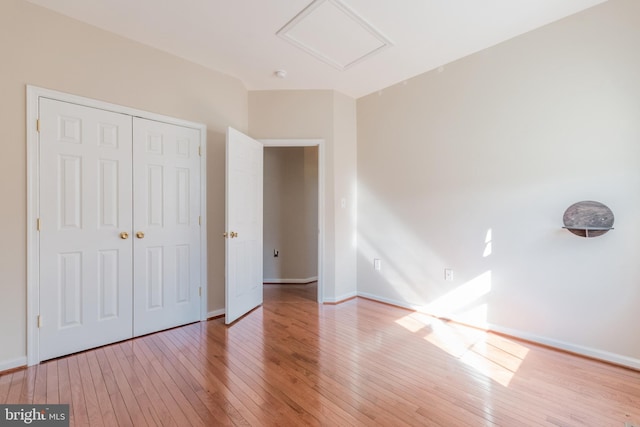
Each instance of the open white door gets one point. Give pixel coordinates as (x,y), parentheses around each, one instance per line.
(243,246)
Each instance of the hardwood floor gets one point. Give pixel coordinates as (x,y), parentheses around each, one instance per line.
(294,362)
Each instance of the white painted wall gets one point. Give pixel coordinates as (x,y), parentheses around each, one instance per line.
(290,214)
(471,168)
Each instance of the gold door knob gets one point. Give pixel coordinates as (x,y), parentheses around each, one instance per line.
(124,235)
(234,234)
(140,235)
(225,234)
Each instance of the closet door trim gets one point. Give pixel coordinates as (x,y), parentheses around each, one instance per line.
(34,94)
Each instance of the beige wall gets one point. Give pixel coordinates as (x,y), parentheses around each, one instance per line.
(290,213)
(501,143)
(42,48)
(329,116)
(310,210)
(345,193)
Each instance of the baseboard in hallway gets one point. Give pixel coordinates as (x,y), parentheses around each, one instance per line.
(290,281)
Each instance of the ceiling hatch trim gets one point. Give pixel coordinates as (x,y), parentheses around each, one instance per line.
(333,33)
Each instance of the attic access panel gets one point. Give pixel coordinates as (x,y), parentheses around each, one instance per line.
(334,34)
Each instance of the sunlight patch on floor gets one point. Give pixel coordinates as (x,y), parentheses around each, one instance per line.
(493,356)
(493,362)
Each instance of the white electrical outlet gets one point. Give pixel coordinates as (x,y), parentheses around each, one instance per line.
(448,275)
(377,264)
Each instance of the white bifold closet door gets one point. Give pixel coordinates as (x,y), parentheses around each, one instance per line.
(85,205)
(166,194)
(119,234)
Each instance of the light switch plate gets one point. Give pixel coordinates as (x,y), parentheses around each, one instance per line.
(448,275)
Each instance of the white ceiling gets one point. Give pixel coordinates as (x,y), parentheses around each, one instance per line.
(239,37)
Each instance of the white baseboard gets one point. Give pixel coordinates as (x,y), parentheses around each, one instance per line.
(292,281)
(215,313)
(401,304)
(340,298)
(11,364)
(593,353)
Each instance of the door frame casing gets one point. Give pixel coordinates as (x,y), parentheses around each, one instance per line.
(34,93)
(320,143)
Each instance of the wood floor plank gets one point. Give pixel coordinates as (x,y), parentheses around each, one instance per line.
(299,387)
(77,403)
(28,389)
(40,388)
(267,397)
(53,396)
(123,417)
(287,364)
(155,410)
(107,412)
(124,388)
(5,384)
(169,410)
(90,392)
(366,388)
(204,403)
(370,385)
(294,362)
(169,390)
(15,390)
(236,404)
(241,396)
(64,387)
(189,387)
(127,362)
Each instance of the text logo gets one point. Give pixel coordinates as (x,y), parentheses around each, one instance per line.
(34,415)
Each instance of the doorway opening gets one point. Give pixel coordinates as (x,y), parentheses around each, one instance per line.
(293,218)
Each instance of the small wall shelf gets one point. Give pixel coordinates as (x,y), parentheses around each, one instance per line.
(588,231)
(588,219)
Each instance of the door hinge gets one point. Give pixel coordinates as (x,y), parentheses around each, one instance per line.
(39,321)
(38,224)
(37,125)
(200,291)
(200,150)
(199,220)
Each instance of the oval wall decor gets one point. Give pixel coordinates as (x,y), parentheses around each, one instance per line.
(588,219)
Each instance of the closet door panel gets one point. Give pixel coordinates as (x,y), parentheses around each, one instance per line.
(166,226)
(85,196)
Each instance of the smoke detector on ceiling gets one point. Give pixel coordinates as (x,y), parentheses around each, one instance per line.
(281,74)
